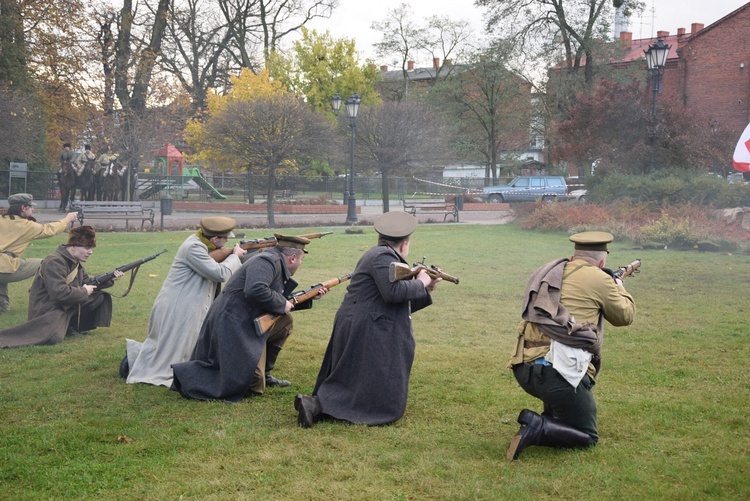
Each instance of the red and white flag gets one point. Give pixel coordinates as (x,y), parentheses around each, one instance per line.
(741,157)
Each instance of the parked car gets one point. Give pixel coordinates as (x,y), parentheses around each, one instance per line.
(527,188)
(577,195)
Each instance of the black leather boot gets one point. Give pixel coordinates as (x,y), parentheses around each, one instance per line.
(555,433)
(272,353)
(124,367)
(528,434)
(309,410)
(545,431)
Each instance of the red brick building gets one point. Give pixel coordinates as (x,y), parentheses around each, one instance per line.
(708,69)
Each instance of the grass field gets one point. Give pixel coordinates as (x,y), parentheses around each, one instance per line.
(672,394)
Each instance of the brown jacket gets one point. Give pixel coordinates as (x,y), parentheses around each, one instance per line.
(57,296)
(571,297)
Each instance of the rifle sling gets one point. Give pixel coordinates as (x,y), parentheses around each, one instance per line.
(132,279)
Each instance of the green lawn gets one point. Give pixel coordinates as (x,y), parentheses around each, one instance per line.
(672,395)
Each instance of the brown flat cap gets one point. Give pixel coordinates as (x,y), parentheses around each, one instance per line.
(395,225)
(21,199)
(218,226)
(291,241)
(592,240)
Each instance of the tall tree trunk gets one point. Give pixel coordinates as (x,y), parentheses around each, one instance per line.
(270,197)
(386,192)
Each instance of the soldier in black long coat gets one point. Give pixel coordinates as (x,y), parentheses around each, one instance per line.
(364,377)
(230,359)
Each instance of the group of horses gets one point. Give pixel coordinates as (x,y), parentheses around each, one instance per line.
(104,183)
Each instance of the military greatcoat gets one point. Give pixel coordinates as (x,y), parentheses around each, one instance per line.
(228,350)
(364,377)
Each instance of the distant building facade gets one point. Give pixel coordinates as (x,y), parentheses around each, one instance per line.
(707,70)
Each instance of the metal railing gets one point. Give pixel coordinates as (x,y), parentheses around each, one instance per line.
(43,186)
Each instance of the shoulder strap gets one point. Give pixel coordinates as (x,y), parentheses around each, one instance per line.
(72,275)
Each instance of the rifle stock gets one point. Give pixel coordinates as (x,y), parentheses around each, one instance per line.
(222,253)
(400,271)
(106,277)
(264,322)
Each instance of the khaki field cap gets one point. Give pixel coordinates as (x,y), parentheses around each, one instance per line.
(290,241)
(395,225)
(21,199)
(592,240)
(218,226)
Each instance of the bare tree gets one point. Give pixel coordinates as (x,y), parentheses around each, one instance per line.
(402,37)
(270,134)
(196,48)
(488,105)
(134,67)
(540,28)
(438,38)
(257,26)
(397,137)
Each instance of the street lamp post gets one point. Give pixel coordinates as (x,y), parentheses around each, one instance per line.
(352,107)
(656,59)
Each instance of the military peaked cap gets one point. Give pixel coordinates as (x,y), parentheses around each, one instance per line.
(218,226)
(592,240)
(291,241)
(395,225)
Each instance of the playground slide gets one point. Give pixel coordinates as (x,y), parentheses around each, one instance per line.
(201,181)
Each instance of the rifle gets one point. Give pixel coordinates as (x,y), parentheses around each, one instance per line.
(400,271)
(264,322)
(630,269)
(100,280)
(222,253)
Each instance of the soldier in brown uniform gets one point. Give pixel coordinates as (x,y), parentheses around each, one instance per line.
(558,352)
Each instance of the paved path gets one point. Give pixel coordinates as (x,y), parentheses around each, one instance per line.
(188,220)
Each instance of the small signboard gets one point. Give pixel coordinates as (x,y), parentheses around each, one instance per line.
(18,169)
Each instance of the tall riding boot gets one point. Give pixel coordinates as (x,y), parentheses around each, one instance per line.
(545,431)
(528,434)
(555,433)
(272,353)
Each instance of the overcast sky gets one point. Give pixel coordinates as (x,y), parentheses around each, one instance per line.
(353,18)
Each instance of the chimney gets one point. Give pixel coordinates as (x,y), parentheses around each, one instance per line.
(410,65)
(626,37)
(662,34)
(695,28)
(448,62)
(436,62)
(680,33)
(384,68)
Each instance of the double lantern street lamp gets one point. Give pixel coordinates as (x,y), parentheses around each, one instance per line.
(352,107)
(656,59)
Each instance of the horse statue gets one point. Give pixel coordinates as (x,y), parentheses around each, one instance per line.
(67,180)
(86,180)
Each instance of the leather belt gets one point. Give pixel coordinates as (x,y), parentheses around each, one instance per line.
(534,344)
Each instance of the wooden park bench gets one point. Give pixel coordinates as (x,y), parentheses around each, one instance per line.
(114,210)
(430,206)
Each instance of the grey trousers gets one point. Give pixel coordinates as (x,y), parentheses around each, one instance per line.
(26,270)
(573,406)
